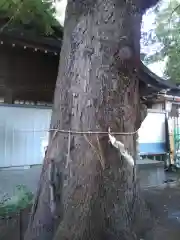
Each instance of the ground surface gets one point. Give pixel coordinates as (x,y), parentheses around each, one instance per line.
(165,204)
(10,178)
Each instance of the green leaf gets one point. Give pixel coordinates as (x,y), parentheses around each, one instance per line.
(20,200)
(40,13)
(167,33)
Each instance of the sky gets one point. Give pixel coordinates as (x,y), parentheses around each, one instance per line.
(148,21)
(148,24)
(61,7)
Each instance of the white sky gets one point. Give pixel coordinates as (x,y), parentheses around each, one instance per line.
(61,7)
(148,20)
(148,24)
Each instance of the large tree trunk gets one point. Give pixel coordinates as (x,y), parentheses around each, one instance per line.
(97,196)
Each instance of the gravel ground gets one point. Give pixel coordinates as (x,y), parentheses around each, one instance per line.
(165,204)
(11,178)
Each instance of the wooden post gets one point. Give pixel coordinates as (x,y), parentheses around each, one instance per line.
(8,96)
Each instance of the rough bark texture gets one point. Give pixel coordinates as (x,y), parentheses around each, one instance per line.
(97,196)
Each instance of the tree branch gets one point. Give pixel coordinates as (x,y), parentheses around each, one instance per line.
(174,10)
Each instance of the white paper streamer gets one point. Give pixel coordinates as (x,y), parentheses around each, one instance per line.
(120,146)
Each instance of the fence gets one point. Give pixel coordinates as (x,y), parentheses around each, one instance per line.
(14,226)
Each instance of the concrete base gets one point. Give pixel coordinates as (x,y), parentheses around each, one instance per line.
(150,173)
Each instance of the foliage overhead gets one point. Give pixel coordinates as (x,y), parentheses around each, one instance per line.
(36,15)
(166,37)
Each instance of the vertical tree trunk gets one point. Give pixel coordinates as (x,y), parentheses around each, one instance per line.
(97,88)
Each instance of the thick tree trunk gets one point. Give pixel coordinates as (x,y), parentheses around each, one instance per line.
(97,89)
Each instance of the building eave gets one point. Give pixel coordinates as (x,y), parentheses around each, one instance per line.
(153,85)
(26,38)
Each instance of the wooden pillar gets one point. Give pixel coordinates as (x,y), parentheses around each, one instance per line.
(8,98)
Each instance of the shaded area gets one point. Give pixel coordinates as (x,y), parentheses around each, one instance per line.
(165,204)
(9,179)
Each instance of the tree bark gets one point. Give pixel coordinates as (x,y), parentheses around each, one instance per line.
(97,196)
